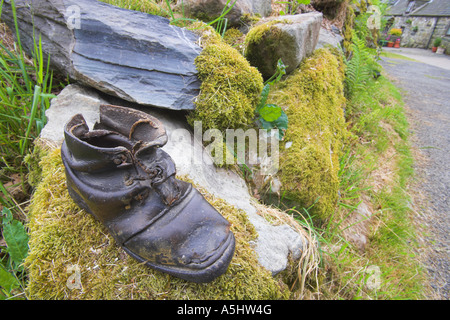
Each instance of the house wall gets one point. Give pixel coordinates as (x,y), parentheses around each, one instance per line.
(428,29)
(441,28)
(420,38)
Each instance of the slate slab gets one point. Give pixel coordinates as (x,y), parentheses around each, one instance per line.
(132,55)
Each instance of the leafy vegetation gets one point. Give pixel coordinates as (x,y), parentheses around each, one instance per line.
(360,67)
(12,273)
(369,253)
(291,6)
(272,116)
(25,91)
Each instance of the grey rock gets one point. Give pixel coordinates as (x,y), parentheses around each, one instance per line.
(261,7)
(274,243)
(135,56)
(329,38)
(290,38)
(208,10)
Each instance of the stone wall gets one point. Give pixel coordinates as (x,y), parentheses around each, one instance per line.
(419,38)
(441,28)
(420,32)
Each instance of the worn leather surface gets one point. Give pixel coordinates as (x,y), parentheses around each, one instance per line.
(118,173)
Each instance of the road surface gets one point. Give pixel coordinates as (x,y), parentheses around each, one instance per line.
(427,101)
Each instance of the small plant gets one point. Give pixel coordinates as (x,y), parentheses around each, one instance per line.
(437,42)
(11,268)
(292,6)
(271,115)
(359,67)
(415,29)
(396,32)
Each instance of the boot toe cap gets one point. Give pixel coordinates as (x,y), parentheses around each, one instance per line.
(194,244)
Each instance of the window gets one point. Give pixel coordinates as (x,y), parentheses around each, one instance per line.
(447,34)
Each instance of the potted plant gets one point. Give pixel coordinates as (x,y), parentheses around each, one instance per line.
(437,42)
(384,40)
(390,43)
(396,32)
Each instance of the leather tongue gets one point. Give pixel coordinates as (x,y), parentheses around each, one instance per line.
(134,124)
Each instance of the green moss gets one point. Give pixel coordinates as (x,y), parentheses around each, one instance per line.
(230,87)
(265,57)
(313,99)
(250,19)
(232,36)
(147,6)
(62,236)
(347,29)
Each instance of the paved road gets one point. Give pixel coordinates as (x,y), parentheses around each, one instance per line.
(427,98)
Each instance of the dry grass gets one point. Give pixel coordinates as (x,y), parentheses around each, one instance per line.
(308,265)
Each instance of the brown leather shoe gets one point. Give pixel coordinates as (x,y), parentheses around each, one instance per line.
(118,173)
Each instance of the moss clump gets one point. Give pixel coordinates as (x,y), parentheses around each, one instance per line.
(313,100)
(146,6)
(230,88)
(347,29)
(263,43)
(63,237)
(232,36)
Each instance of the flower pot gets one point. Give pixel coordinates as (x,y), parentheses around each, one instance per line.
(390,44)
(397,43)
(434,49)
(440,50)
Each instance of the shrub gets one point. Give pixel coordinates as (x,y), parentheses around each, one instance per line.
(396,32)
(437,42)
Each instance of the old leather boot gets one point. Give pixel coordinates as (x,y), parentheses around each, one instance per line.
(118,173)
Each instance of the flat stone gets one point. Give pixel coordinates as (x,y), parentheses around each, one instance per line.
(329,38)
(274,243)
(132,55)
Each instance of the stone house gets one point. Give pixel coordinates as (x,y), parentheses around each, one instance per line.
(422,21)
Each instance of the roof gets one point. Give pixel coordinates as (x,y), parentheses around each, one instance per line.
(398,8)
(435,8)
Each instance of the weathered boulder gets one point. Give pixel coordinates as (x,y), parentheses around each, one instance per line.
(208,10)
(135,56)
(274,243)
(289,38)
(329,38)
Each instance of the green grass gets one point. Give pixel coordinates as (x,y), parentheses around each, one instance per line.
(25,93)
(393,55)
(376,116)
